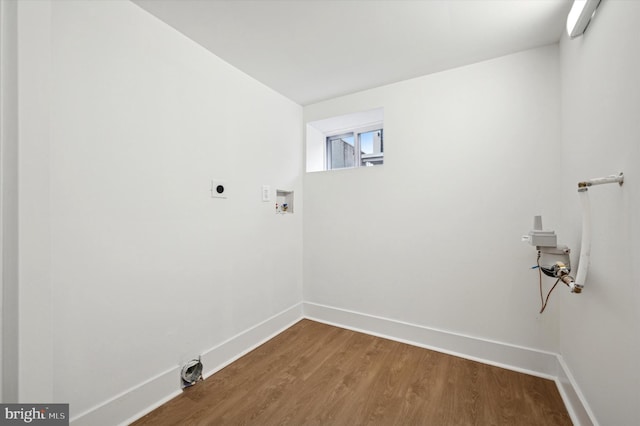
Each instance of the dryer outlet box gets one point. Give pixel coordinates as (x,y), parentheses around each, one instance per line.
(219,189)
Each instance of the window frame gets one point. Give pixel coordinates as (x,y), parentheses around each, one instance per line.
(355,132)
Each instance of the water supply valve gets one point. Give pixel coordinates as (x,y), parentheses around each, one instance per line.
(559,270)
(554,261)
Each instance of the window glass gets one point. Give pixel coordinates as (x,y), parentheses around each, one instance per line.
(371,149)
(342,152)
(366,143)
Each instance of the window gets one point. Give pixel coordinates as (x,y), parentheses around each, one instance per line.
(346,141)
(371,148)
(359,148)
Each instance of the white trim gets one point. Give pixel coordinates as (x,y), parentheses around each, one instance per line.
(531,361)
(151,394)
(580,412)
(364,128)
(143,398)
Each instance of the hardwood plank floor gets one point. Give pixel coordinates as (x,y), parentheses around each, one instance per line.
(316,374)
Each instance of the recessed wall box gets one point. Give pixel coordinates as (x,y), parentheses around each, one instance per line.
(284,201)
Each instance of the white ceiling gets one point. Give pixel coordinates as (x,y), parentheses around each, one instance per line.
(311,50)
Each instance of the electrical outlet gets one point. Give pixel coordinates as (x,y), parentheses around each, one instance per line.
(219,189)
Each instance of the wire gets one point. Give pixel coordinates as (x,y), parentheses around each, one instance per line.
(540,278)
(543,301)
(544,305)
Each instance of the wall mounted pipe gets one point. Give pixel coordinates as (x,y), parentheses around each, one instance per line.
(585,244)
(599,181)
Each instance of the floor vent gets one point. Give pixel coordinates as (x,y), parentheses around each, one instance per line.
(191,373)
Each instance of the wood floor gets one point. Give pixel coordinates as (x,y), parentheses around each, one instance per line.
(315,374)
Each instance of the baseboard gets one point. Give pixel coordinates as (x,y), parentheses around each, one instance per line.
(538,363)
(141,399)
(122,408)
(573,398)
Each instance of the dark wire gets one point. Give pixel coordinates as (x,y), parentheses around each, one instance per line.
(540,278)
(543,301)
(549,294)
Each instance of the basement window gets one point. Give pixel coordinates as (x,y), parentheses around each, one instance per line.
(359,148)
(346,141)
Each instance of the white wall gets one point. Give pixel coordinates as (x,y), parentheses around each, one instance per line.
(315,149)
(600,329)
(9,200)
(35,325)
(143,268)
(432,237)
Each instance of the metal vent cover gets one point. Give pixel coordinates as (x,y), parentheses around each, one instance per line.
(191,373)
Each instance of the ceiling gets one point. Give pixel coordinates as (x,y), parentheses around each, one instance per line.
(312,50)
